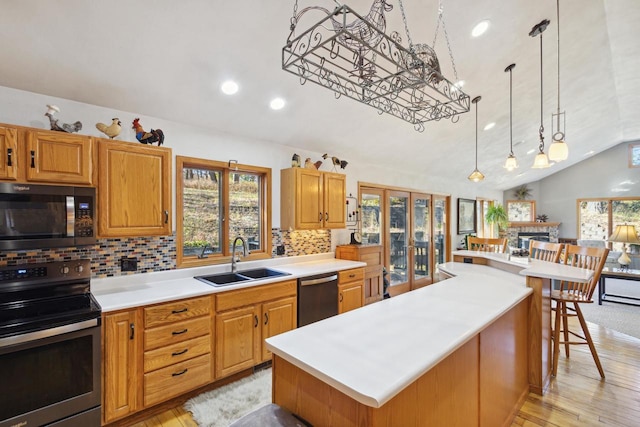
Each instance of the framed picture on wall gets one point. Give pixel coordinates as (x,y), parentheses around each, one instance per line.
(466,216)
(634,155)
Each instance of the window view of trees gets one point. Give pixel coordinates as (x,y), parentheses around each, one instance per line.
(599,217)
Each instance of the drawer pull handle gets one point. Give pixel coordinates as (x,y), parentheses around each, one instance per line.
(184,310)
(352,275)
(341,298)
(177,374)
(179,332)
(33,159)
(9,153)
(178,353)
(266,318)
(132,328)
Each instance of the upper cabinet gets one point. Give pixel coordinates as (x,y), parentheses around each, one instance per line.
(8,151)
(32,155)
(311,199)
(134,189)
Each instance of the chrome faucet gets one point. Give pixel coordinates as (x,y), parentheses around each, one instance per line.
(235,259)
(204,249)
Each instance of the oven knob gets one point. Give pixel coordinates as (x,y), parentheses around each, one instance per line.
(79,269)
(64,270)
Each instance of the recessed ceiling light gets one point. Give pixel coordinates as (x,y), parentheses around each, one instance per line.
(518,142)
(480,28)
(489,125)
(277,103)
(520,174)
(459,84)
(229,87)
(588,153)
(533,150)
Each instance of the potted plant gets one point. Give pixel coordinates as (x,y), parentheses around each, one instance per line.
(497,215)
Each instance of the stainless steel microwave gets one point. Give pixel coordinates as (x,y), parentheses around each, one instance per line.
(46,216)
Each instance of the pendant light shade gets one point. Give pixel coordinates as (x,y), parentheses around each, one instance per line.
(541,160)
(476,175)
(511,163)
(558,151)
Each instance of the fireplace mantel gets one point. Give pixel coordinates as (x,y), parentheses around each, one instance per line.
(533,224)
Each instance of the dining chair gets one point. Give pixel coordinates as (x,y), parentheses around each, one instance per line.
(545,251)
(568,299)
(487,244)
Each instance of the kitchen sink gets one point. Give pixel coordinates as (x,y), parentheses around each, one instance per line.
(224,279)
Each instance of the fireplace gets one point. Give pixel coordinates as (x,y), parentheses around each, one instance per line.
(525,237)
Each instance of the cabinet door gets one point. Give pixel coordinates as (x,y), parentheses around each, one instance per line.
(237,340)
(335,195)
(8,153)
(277,317)
(350,296)
(135,190)
(119,365)
(309,200)
(59,157)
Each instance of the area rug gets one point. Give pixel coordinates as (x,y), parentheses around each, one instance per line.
(619,317)
(224,405)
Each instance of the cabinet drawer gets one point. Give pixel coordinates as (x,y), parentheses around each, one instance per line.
(174,380)
(177,332)
(356,274)
(256,294)
(176,310)
(179,352)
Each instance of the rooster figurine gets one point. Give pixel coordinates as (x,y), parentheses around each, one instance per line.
(63,127)
(155,135)
(112,130)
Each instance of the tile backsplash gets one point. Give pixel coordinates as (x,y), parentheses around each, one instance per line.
(156,253)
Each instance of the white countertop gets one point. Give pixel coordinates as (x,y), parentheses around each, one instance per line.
(374,352)
(122,292)
(535,268)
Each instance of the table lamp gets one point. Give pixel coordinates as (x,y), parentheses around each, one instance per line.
(624,234)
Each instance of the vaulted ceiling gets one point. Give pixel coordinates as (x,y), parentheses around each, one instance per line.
(167,59)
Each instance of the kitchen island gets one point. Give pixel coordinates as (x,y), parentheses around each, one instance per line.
(453,353)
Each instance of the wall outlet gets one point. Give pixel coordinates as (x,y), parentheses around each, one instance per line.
(128,264)
(280,250)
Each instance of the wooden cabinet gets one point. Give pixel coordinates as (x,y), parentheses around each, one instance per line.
(134,190)
(372,255)
(245,317)
(350,289)
(120,365)
(310,199)
(8,153)
(48,157)
(177,348)
(58,157)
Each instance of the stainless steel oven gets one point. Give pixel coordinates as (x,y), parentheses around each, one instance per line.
(46,216)
(49,346)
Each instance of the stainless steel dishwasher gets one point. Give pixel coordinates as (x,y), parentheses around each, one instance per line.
(317,297)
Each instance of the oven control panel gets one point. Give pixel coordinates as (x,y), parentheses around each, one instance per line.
(51,271)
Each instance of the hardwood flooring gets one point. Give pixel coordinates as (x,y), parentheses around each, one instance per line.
(576,397)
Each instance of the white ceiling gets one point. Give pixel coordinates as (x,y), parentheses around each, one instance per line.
(166,59)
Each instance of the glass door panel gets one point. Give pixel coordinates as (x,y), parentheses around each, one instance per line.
(371,216)
(441,232)
(398,237)
(421,232)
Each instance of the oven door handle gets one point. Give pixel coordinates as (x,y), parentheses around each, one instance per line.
(38,335)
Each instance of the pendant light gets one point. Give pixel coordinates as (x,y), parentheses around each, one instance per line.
(511,163)
(541,160)
(476,175)
(558,151)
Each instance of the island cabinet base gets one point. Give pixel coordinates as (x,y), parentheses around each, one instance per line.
(482,383)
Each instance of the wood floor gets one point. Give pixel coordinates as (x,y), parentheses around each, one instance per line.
(577,397)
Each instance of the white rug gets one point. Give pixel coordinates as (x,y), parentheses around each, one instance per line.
(224,405)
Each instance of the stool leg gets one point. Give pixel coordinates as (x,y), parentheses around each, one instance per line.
(587,335)
(565,330)
(556,338)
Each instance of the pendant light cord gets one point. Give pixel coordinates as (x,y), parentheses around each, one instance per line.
(510,111)
(541,131)
(558,19)
(477,135)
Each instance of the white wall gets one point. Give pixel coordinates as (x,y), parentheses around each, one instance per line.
(604,175)
(27,109)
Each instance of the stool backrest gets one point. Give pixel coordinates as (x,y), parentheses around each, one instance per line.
(487,244)
(545,251)
(587,258)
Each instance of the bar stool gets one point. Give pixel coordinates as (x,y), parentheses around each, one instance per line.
(545,251)
(487,244)
(569,297)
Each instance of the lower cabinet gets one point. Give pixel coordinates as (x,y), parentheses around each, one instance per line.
(372,255)
(350,289)
(245,318)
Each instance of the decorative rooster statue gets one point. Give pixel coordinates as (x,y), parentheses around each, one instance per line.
(375,17)
(111,130)
(155,135)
